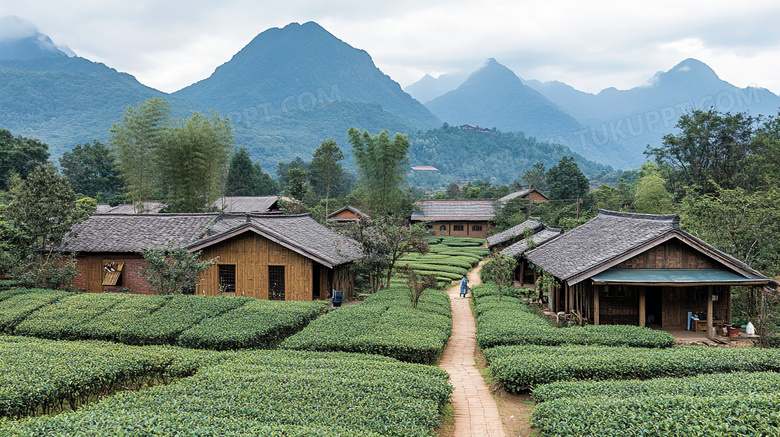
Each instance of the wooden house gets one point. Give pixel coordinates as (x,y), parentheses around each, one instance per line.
(272,256)
(642,269)
(456,218)
(513,234)
(345,216)
(532,194)
(525,272)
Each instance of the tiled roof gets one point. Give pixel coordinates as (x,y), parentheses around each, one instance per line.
(300,233)
(133,232)
(357,212)
(521,193)
(538,239)
(611,235)
(454,210)
(149,208)
(246,204)
(513,232)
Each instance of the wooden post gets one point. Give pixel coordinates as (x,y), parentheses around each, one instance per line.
(642,305)
(522,271)
(728,303)
(567,303)
(596,289)
(709,311)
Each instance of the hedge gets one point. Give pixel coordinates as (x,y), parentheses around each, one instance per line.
(125,313)
(737,383)
(16,308)
(511,322)
(437,268)
(277,393)
(257,324)
(522,368)
(661,415)
(63,319)
(384,324)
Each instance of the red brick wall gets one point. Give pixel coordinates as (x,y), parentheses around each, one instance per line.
(536,197)
(90,273)
(468,230)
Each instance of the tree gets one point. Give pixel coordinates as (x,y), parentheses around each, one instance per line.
(566,181)
(41,213)
(91,170)
(417,283)
(297,184)
(192,162)
(173,270)
(383,243)
(381,168)
(19,155)
(326,171)
(650,193)
(247,179)
(499,269)
(453,191)
(136,140)
(284,167)
(711,149)
(536,177)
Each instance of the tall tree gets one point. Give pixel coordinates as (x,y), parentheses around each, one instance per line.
(42,211)
(566,181)
(650,195)
(136,140)
(297,184)
(19,155)
(536,177)
(711,149)
(193,160)
(381,168)
(326,170)
(499,269)
(91,170)
(248,179)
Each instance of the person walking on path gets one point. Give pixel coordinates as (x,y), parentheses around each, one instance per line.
(464,286)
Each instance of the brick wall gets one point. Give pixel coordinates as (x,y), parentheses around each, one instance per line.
(90,273)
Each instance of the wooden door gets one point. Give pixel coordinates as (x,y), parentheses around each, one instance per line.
(671,308)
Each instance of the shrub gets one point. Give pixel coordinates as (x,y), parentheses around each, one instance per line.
(521,368)
(16,308)
(257,324)
(63,319)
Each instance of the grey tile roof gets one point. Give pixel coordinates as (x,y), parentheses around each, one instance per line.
(149,208)
(454,210)
(610,235)
(537,239)
(246,204)
(133,232)
(300,233)
(354,210)
(513,232)
(521,193)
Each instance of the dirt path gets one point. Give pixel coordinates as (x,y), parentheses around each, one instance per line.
(476,413)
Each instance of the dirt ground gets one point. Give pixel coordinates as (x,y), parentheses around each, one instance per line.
(515,410)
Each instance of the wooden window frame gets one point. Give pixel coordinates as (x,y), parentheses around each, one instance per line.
(476,228)
(112,279)
(222,272)
(271,284)
(457,228)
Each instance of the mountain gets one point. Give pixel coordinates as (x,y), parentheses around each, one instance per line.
(642,115)
(20,39)
(296,86)
(428,88)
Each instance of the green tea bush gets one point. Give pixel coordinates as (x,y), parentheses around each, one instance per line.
(271,393)
(511,322)
(126,313)
(522,368)
(62,320)
(384,324)
(438,268)
(257,324)
(17,307)
(177,315)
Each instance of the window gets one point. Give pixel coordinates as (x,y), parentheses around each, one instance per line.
(227,278)
(476,227)
(276,282)
(443,228)
(457,227)
(112,272)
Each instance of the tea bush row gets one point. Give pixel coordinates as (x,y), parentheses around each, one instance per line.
(279,393)
(522,368)
(384,324)
(218,323)
(511,322)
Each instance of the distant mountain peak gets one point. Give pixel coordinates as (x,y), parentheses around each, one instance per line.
(20,39)
(689,70)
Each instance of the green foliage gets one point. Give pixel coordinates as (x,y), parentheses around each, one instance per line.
(381,166)
(21,303)
(536,177)
(566,181)
(172,270)
(41,213)
(384,324)
(521,368)
(650,193)
(91,170)
(499,269)
(327,174)
(20,156)
(511,322)
(247,179)
(417,283)
(296,184)
(62,320)
(279,393)
(192,162)
(257,324)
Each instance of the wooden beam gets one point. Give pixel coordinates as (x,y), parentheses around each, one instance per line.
(642,305)
(728,302)
(709,312)
(596,289)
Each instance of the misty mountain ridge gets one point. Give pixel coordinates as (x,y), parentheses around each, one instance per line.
(20,39)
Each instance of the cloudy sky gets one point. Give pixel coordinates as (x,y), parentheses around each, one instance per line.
(589,45)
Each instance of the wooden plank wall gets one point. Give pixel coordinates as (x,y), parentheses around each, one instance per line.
(252,254)
(669,255)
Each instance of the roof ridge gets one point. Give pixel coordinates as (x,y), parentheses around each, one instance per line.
(674,218)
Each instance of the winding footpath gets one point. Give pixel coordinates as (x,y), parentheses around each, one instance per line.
(476,413)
